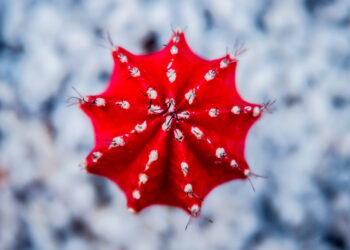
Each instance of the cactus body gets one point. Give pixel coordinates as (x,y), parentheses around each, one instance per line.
(170,126)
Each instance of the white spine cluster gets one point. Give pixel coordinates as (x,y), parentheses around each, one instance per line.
(188,188)
(117,141)
(190,96)
(174,50)
(197,132)
(256,111)
(214,112)
(100,102)
(184,168)
(141,127)
(123,104)
(96,155)
(122,58)
(236,110)
(183,115)
(210,75)
(178,135)
(171,74)
(143,178)
(152,93)
(136,194)
(220,153)
(134,72)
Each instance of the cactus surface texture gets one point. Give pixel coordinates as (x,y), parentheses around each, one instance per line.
(170,126)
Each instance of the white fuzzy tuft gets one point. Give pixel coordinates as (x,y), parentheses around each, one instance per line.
(143,178)
(174,50)
(233,164)
(220,153)
(171,74)
(123,104)
(134,72)
(178,135)
(214,112)
(136,194)
(152,93)
(236,110)
(210,75)
(141,127)
(117,141)
(188,188)
(256,111)
(190,96)
(100,102)
(184,168)
(95,156)
(197,132)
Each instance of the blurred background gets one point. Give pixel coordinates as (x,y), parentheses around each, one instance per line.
(298,54)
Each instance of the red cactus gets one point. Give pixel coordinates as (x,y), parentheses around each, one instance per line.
(170,126)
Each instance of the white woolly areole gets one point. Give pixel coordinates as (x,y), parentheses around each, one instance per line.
(117,141)
(135,72)
(188,188)
(100,102)
(256,111)
(178,135)
(233,164)
(194,209)
(220,153)
(183,115)
(153,156)
(136,194)
(171,74)
(143,178)
(210,75)
(167,124)
(247,108)
(224,63)
(171,104)
(174,50)
(247,172)
(123,104)
(155,109)
(236,110)
(96,155)
(141,127)
(122,58)
(176,38)
(214,112)
(184,167)
(152,93)
(190,95)
(197,132)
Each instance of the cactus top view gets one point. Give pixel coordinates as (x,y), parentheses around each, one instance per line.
(170,126)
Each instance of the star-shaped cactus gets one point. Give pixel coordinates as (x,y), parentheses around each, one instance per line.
(170,126)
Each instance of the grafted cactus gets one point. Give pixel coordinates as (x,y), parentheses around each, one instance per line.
(170,126)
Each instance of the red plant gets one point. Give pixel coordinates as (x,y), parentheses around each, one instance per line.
(170,126)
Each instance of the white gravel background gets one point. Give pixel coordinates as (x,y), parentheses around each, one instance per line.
(298,54)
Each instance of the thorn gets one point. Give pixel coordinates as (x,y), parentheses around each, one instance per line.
(238,48)
(103,46)
(268,106)
(251,184)
(109,39)
(248,174)
(188,222)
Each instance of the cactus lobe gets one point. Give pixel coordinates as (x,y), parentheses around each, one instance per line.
(170,126)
